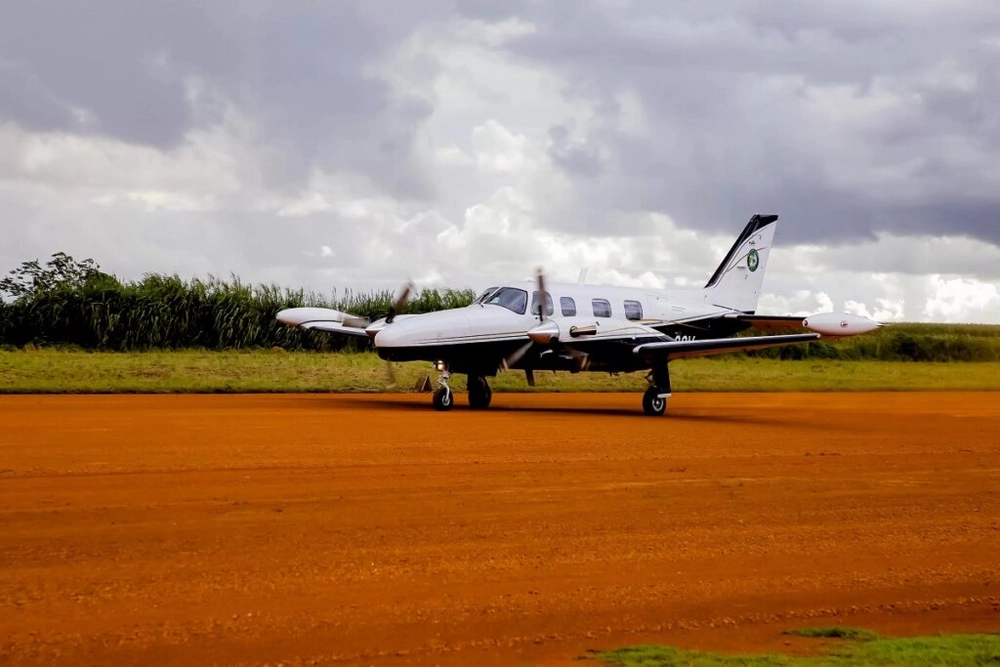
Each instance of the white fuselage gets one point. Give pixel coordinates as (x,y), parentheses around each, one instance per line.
(616,310)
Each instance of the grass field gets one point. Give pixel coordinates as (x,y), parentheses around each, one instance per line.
(941,651)
(73,371)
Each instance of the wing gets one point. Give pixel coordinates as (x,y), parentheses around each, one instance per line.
(334,328)
(686,349)
(768,322)
(325,319)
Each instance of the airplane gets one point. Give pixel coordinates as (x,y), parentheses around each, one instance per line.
(535,326)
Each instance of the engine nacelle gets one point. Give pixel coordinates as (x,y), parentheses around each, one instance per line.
(544,333)
(839,324)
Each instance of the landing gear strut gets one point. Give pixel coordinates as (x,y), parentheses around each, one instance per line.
(480,393)
(654,400)
(443,398)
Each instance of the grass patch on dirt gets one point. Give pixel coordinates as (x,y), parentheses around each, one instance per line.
(74,371)
(835,632)
(940,651)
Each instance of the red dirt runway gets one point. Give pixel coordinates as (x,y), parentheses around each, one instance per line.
(372,530)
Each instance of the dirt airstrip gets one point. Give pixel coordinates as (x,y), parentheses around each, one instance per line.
(372,530)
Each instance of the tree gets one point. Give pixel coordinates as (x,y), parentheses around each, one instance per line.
(62,271)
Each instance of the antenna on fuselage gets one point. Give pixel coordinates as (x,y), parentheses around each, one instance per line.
(582,277)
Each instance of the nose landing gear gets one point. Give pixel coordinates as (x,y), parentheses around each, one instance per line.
(443,397)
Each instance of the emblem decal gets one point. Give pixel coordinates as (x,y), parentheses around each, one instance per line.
(753,260)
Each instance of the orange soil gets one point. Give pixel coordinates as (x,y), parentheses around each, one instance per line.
(373,530)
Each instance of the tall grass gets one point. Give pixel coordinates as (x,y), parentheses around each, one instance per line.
(95,311)
(903,342)
(166,312)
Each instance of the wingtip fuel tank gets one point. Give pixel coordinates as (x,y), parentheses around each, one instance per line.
(839,324)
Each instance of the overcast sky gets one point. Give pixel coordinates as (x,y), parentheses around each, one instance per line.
(355,145)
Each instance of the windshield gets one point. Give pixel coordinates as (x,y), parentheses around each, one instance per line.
(511,298)
(482,297)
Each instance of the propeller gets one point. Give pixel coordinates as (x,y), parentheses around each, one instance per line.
(543,299)
(400,302)
(544,335)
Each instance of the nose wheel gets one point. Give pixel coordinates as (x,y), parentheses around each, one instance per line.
(443,396)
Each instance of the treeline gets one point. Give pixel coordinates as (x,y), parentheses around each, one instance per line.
(70,303)
(65,302)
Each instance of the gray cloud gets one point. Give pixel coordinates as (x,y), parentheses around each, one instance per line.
(451,139)
(125,70)
(743,102)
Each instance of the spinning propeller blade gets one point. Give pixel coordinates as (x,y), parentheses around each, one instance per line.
(397,305)
(519,353)
(543,300)
(400,302)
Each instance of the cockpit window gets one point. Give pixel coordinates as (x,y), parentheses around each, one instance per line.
(511,298)
(485,295)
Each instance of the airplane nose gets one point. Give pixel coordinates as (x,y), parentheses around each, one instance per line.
(421,330)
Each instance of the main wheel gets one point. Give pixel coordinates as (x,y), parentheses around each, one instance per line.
(653,404)
(480,393)
(443,399)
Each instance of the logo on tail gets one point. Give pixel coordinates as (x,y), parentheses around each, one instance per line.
(753,259)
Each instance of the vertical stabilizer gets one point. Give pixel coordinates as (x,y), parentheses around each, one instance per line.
(737,282)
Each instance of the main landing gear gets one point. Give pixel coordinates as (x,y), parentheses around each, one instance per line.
(654,400)
(480,393)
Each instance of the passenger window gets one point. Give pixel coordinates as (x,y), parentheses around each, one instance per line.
(548,303)
(568,306)
(633,310)
(602,307)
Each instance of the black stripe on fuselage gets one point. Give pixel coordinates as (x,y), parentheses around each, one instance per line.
(485,358)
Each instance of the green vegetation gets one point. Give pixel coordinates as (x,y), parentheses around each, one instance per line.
(903,342)
(69,303)
(940,651)
(835,632)
(65,302)
(48,370)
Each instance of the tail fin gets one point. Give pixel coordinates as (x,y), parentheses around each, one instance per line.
(736,283)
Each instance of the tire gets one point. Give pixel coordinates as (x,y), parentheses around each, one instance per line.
(480,393)
(652,404)
(443,398)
